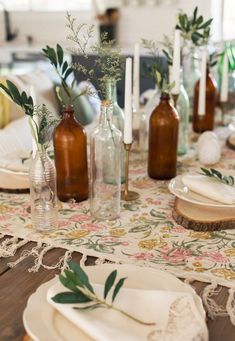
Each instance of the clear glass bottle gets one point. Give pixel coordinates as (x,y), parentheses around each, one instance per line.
(43,198)
(163,139)
(105,167)
(191,74)
(182,108)
(118,118)
(70,148)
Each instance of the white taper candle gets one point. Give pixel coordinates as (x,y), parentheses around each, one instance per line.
(136,79)
(202,86)
(128,102)
(176,64)
(224,81)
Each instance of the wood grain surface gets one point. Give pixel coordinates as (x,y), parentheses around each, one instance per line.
(203,218)
(17,284)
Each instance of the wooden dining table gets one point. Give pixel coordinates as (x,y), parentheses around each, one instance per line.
(17,284)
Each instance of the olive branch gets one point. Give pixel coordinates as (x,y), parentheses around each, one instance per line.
(81,291)
(194,28)
(215,174)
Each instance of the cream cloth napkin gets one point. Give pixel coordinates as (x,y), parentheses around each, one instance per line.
(14,174)
(17,161)
(210,188)
(175,313)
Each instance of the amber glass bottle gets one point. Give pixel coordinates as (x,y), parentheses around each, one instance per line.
(70,147)
(163,137)
(205,122)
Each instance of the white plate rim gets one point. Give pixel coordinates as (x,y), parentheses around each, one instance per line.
(37,332)
(184,197)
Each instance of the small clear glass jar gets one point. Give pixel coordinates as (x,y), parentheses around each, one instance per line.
(117,119)
(43,196)
(183,109)
(105,167)
(191,74)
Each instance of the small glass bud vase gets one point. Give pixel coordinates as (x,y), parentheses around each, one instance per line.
(43,198)
(191,74)
(105,167)
(183,110)
(117,119)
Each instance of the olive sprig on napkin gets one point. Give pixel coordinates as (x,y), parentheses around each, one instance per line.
(81,291)
(215,174)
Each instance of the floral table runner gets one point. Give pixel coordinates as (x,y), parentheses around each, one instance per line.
(145,234)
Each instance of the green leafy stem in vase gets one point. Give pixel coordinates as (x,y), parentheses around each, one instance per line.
(82,292)
(41,120)
(194,28)
(215,174)
(155,69)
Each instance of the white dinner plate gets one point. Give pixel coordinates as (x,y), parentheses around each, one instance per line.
(43,323)
(177,187)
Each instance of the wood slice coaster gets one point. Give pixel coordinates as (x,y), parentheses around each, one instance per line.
(231,141)
(203,218)
(14,191)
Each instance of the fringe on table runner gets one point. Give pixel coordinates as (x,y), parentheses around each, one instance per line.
(10,245)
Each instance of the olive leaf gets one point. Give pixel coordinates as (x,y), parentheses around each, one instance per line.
(118,287)
(109,282)
(215,174)
(70,297)
(81,275)
(194,27)
(81,291)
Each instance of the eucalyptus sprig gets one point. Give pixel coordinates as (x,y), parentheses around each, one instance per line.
(81,291)
(154,70)
(194,28)
(215,174)
(41,120)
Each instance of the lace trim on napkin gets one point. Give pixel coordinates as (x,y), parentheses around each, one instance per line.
(182,324)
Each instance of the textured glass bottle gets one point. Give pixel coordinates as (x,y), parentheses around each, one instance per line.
(43,197)
(191,74)
(70,147)
(163,139)
(105,167)
(205,122)
(182,108)
(118,118)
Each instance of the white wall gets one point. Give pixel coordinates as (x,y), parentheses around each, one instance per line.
(154,22)
(149,22)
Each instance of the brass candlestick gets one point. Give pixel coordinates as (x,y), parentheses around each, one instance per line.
(126,194)
(175,99)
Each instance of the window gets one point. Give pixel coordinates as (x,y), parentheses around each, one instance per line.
(46,5)
(229,20)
